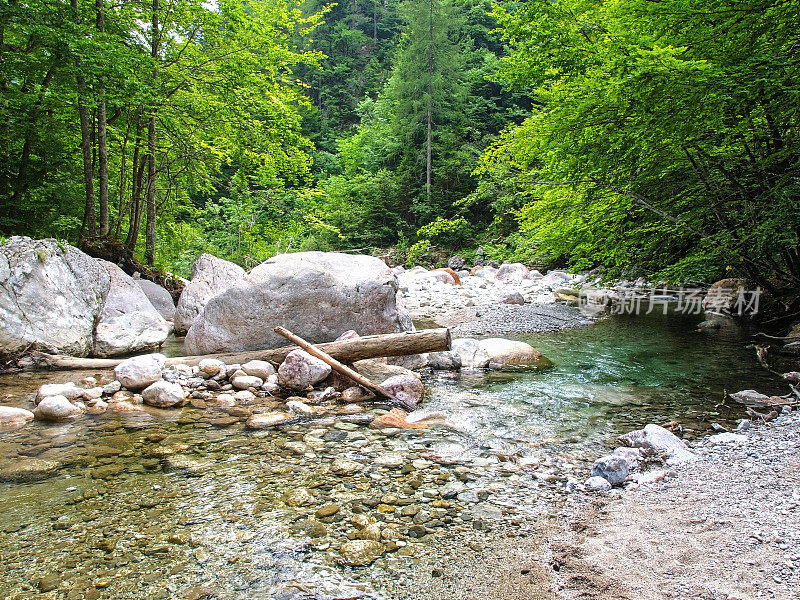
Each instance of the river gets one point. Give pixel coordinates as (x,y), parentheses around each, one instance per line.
(185,502)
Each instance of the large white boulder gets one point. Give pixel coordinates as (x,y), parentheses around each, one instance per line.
(210,276)
(140,371)
(51,295)
(128,322)
(159,297)
(316,295)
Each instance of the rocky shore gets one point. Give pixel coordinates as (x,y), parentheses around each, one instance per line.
(724,525)
(488,300)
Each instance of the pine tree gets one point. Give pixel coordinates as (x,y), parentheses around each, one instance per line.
(426,97)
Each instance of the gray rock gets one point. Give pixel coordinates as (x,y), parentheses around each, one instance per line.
(727,438)
(212,366)
(299,408)
(210,276)
(507,353)
(377,370)
(57,408)
(244,382)
(112,388)
(512,298)
(597,484)
(472,355)
(633,456)
(258,368)
(316,295)
(300,370)
(51,295)
(722,296)
(128,322)
(444,361)
(345,467)
(159,297)
(270,419)
(751,398)
(413,362)
(12,417)
(654,437)
(163,394)
(69,390)
(138,372)
(613,469)
(405,388)
(512,272)
(244,397)
(456,263)
(25,470)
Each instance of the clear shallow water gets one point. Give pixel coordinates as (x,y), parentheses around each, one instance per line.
(154,506)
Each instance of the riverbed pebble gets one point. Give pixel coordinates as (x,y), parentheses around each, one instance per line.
(139,372)
(163,394)
(613,469)
(597,484)
(57,408)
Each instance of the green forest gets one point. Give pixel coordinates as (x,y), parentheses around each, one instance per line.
(637,137)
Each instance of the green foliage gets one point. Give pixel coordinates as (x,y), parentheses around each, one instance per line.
(223,86)
(420,254)
(451,233)
(664,138)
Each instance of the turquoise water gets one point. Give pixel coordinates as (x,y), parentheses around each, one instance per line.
(609,378)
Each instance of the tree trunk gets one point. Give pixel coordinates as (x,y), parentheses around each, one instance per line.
(121,195)
(23,181)
(341,369)
(428,141)
(346,351)
(102,152)
(137,173)
(89,228)
(150,230)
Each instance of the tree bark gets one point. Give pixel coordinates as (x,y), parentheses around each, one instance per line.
(340,368)
(346,351)
(150,230)
(428,143)
(137,175)
(89,217)
(102,150)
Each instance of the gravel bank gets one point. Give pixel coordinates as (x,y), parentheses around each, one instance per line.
(725,527)
(507,318)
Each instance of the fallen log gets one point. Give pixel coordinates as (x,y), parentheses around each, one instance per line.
(340,368)
(345,351)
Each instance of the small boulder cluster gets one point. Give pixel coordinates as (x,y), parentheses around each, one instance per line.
(630,463)
(258,392)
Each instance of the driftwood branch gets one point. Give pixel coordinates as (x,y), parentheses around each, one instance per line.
(340,368)
(345,351)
